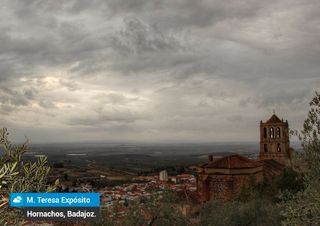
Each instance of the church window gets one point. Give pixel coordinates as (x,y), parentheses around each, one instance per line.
(278,147)
(271,132)
(278,132)
(265,147)
(265,133)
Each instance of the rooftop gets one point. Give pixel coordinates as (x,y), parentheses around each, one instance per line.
(233,162)
(274,119)
(272,168)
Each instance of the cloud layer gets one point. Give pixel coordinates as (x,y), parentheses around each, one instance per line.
(160,70)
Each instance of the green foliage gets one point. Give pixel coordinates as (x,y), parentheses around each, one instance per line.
(154,211)
(19,176)
(303,208)
(256,212)
(289,181)
(310,137)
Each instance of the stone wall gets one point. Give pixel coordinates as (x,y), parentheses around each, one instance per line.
(226,187)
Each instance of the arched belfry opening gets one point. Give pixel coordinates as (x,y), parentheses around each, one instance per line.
(278,132)
(265,133)
(274,143)
(278,147)
(271,133)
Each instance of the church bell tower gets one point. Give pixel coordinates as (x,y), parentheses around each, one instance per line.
(274,140)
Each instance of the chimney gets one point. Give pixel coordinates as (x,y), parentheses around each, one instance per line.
(210,158)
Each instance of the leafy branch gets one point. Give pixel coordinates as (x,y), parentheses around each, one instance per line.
(19,176)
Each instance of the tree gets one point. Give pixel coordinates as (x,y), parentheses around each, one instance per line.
(156,210)
(304,207)
(254,212)
(19,176)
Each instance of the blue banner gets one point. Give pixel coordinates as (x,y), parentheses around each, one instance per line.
(55,199)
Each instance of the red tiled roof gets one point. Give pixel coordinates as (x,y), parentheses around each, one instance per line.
(274,119)
(272,168)
(233,162)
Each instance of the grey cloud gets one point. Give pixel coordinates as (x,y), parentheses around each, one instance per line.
(293,99)
(84,5)
(138,38)
(115,99)
(7,71)
(71,85)
(14,98)
(175,64)
(243,103)
(5,109)
(30,9)
(177,67)
(105,118)
(144,48)
(42,39)
(121,6)
(46,104)
(29,94)
(21,45)
(186,13)
(235,118)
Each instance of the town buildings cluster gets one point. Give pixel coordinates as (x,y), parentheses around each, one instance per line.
(147,187)
(221,179)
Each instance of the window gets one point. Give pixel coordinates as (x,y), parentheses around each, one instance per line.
(265,135)
(271,132)
(278,148)
(265,148)
(278,132)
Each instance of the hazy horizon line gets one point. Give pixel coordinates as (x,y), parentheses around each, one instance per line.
(147,143)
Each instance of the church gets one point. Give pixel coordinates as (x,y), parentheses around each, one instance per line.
(225,178)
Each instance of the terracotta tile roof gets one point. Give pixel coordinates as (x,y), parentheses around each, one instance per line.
(274,119)
(233,162)
(272,168)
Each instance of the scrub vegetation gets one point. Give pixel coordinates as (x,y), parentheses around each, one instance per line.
(19,176)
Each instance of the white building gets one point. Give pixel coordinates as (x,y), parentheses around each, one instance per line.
(163,176)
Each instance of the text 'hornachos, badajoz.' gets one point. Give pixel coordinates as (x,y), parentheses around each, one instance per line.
(57,206)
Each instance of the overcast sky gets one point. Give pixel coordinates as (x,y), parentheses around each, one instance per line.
(155,70)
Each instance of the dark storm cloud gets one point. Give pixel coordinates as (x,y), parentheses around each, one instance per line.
(135,47)
(36,36)
(169,69)
(186,13)
(137,38)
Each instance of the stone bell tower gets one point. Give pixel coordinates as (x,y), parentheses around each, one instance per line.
(274,140)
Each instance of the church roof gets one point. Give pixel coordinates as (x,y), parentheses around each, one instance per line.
(233,162)
(274,119)
(271,168)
